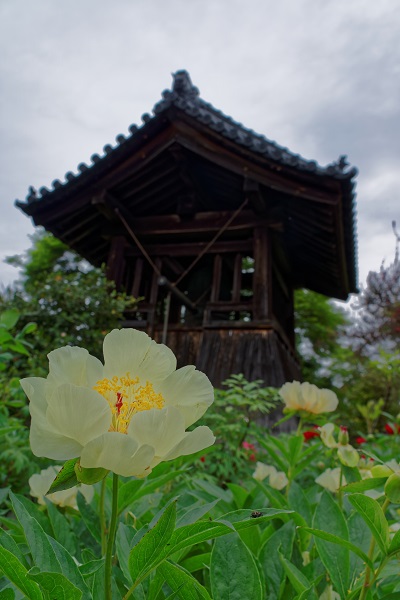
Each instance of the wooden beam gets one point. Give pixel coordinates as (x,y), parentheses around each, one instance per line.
(262,275)
(192,249)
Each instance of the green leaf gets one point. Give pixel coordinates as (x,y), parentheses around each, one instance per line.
(42,552)
(16,573)
(70,568)
(373,515)
(182,583)
(60,527)
(89,517)
(240,495)
(123,544)
(137,488)
(395,543)
(233,571)
(329,518)
(194,514)
(146,553)
(365,484)
(334,539)
(9,318)
(56,585)
(66,478)
(8,542)
(297,579)
(392,488)
(7,594)
(197,562)
(280,542)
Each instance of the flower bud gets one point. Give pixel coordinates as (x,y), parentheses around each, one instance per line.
(348,456)
(343,436)
(392,488)
(381,471)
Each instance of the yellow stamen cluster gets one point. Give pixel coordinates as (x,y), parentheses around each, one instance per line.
(126,397)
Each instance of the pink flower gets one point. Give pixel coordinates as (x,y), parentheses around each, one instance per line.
(248,446)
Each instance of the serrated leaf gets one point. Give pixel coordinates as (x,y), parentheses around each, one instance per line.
(182,583)
(15,571)
(373,515)
(66,478)
(56,585)
(233,570)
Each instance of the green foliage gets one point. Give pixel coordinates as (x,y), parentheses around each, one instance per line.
(319,324)
(234,421)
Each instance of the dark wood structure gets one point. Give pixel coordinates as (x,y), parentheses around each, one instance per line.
(215,226)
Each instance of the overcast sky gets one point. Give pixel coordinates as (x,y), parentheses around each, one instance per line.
(321,77)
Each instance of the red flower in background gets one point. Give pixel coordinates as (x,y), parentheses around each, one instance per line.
(361,440)
(308,435)
(389,429)
(248,446)
(203,458)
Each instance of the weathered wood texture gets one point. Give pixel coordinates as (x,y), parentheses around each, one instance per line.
(220,353)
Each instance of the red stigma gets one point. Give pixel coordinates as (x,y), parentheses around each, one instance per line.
(119,403)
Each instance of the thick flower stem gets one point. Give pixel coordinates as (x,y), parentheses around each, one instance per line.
(103,516)
(111,538)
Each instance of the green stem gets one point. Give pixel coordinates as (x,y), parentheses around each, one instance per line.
(111,538)
(103,525)
(371,550)
(299,427)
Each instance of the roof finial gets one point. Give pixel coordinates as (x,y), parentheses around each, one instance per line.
(183,86)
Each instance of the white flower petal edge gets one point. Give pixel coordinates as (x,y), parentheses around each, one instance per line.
(161,429)
(41,482)
(72,364)
(188,390)
(119,453)
(194,441)
(44,440)
(134,352)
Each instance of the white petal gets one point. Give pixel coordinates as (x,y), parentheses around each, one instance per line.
(119,453)
(79,413)
(40,483)
(190,391)
(194,441)
(134,352)
(74,365)
(124,351)
(162,429)
(291,394)
(46,442)
(35,388)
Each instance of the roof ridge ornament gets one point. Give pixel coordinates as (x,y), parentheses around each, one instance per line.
(182,85)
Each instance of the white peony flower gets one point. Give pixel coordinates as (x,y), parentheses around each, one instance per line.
(126,416)
(330,479)
(277,479)
(308,397)
(41,482)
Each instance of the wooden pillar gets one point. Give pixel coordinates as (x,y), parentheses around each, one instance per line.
(262,292)
(116,261)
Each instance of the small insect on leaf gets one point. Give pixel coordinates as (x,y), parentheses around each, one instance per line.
(255,514)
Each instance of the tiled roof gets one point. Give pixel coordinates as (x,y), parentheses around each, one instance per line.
(185,97)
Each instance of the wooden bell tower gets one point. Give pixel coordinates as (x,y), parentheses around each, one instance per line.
(212,226)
